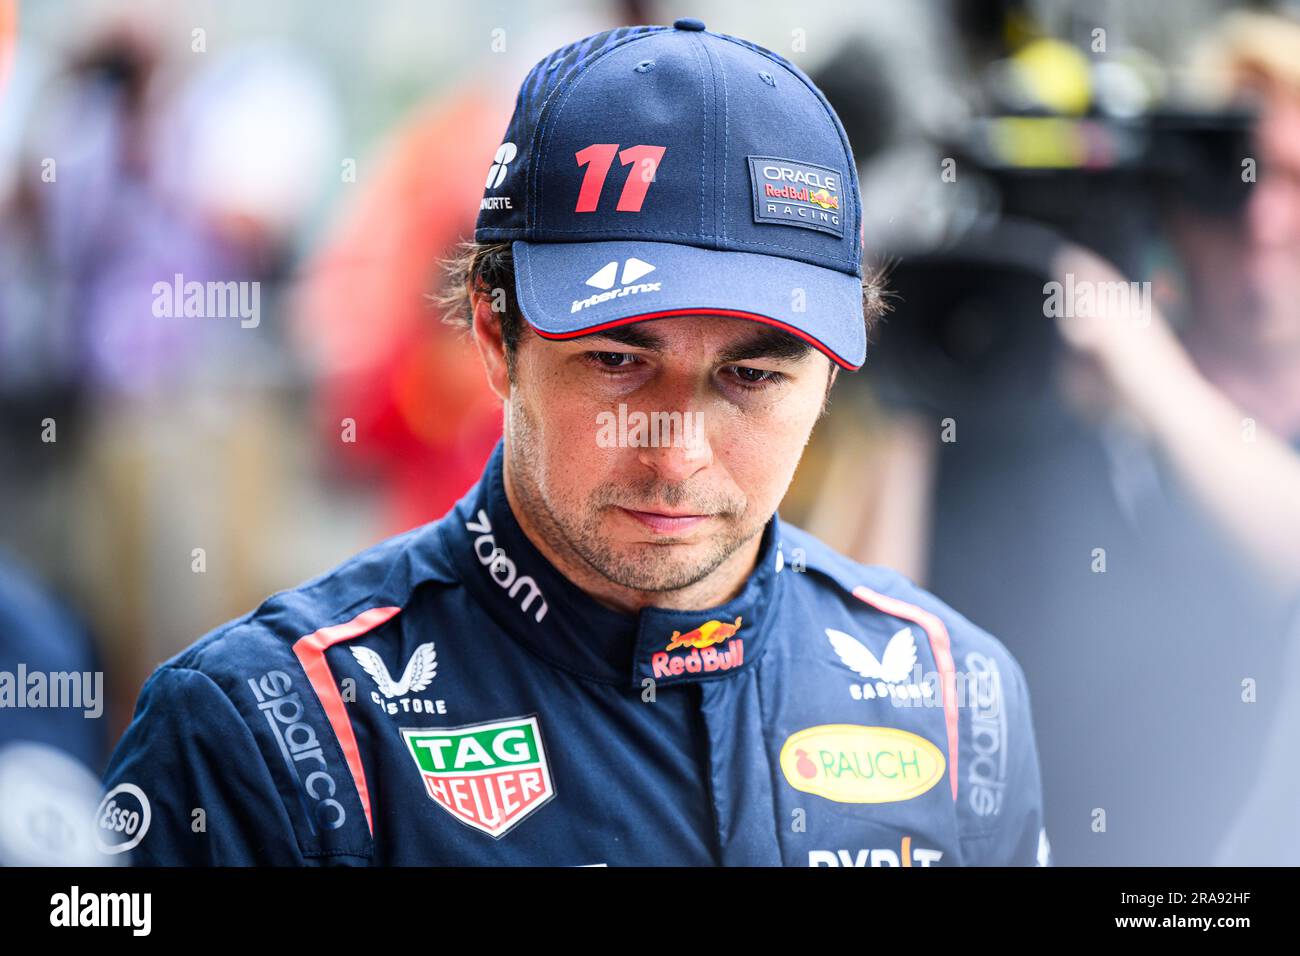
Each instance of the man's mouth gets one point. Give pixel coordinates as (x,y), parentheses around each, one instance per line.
(667,522)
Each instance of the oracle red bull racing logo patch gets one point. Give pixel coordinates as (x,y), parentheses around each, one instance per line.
(707,651)
(790,193)
(488,776)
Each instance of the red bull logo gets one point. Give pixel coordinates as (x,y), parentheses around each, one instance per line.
(824,199)
(705,655)
(706,635)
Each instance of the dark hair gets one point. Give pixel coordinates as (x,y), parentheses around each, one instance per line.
(489,268)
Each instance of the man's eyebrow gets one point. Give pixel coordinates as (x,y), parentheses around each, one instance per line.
(637,338)
(766,343)
(762,343)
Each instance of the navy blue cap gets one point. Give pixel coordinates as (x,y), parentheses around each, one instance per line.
(651,172)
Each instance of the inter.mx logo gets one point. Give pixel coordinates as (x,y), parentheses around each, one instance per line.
(488,776)
(606,276)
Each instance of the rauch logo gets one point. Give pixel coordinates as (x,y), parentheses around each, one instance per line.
(850,763)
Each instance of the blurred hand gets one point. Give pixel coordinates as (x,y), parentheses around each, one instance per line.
(1241,475)
(1129,355)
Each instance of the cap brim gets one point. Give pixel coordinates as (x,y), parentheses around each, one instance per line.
(567,289)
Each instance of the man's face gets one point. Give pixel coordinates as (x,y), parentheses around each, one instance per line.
(660,518)
(1273,217)
(1246,274)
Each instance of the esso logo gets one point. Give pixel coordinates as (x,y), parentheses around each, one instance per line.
(122,819)
(117,820)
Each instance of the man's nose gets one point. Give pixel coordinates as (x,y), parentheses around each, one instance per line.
(1273,214)
(682,447)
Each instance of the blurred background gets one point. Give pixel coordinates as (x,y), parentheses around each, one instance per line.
(1119,504)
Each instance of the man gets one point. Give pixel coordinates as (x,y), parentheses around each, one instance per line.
(611,651)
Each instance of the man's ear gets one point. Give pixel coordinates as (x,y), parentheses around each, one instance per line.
(826,396)
(491,345)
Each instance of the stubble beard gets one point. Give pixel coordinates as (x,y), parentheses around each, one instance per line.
(573,527)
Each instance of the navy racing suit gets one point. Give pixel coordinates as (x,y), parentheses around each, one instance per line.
(449,698)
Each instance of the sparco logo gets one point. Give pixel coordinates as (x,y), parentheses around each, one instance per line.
(502,569)
(988,730)
(302,752)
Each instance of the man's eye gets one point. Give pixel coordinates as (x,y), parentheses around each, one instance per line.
(611,359)
(755,378)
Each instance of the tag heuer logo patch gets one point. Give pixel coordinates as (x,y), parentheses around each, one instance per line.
(489,776)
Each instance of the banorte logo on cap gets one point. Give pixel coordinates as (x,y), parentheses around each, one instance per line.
(704,657)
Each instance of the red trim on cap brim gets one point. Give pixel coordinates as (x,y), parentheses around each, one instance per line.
(727,313)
